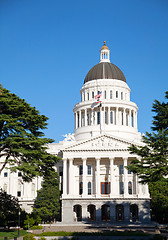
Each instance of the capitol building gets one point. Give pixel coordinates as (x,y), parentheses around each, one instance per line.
(96,186)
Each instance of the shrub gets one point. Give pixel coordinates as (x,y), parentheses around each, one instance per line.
(36,227)
(29,237)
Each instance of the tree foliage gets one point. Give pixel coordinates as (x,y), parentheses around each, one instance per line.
(153,163)
(47,203)
(159,204)
(9,208)
(22,142)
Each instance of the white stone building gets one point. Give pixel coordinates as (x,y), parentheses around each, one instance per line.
(96,186)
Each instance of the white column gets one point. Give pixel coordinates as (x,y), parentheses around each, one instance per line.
(76,120)
(84,177)
(85,117)
(134,119)
(111,177)
(95,123)
(108,115)
(124,117)
(97,177)
(80,114)
(129,119)
(125,177)
(70,176)
(64,177)
(91,116)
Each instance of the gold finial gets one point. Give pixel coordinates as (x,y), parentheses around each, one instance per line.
(104,46)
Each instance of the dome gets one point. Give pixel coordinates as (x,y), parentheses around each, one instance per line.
(105,70)
(105,46)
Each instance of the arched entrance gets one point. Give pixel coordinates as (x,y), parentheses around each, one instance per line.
(120,212)
(133,212)
(78,210)
(105,212)
(92,211)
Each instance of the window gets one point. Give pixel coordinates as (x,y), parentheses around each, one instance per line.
(126,119)
(80,188)
(80,170)
(89,188)
(88,119)
(105,188)
(18,193)
(60,171)
(121,169)
(5,174)
(111,95)
(98,117)
(105,95)
(92,94)
(19,174)
(121,95)
(111,117)
(78,120)
(130,187)
(121,188)
(116,94)
(88,95)
(106,120)
(89,169)
(129,172)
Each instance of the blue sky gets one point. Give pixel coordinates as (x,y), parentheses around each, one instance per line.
(48,46)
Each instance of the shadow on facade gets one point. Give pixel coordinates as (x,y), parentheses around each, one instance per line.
(113,212)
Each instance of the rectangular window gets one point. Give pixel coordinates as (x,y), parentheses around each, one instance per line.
(5,174)
(88,96)
(105,95)
(98,117)
(81,170)
(88,119)
(129,172)
(121,188)
(111,95)
(89,169)
(121,95)
(116,94)
(92,94)
(130,188)
(106,120)
(105,187)
(18,193)
(89,188)
(60,171)
(111,117)
(121,169)
(80,188)
(19,174)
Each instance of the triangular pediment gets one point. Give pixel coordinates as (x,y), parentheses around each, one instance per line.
(100,143)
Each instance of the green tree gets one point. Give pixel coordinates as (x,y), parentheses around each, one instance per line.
(47,204)
(153,165)
(22,142)
(9,208)
(159,203)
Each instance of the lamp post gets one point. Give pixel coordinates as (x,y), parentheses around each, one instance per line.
(19,212)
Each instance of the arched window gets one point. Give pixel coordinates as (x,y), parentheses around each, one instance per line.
(92,211)
(130,187)
(80,188)
(89,188)
(133,212)
(105,212)
(78,212)
(119,212)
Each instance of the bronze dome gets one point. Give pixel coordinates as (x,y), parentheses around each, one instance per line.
(105,70)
